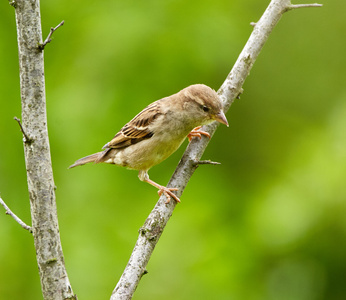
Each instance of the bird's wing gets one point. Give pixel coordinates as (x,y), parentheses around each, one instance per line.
(137,129)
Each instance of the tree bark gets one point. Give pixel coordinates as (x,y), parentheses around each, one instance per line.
(153,227)
(54,280)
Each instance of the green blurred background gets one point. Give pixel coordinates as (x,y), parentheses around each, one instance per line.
(268,223)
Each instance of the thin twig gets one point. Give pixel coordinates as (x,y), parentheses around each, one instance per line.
(18,220)
(48,39)
(207,162)
(27,139)
(294,6)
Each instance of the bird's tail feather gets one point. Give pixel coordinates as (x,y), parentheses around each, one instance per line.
(90,158)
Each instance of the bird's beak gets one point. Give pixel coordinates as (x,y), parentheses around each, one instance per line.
(220,117)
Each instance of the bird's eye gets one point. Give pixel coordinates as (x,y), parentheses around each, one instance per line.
(205,108)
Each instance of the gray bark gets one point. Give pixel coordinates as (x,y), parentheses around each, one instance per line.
(54,281)
(153,227)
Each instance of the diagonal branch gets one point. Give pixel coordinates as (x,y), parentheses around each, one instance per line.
(152,229)
(13,215)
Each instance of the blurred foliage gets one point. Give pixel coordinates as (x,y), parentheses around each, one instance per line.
(269,223)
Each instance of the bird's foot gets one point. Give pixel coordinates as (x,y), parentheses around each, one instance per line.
(196,132)
(168,193)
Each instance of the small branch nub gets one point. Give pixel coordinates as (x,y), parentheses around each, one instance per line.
(13,3)
(27,139)
(49,37)
(240,92)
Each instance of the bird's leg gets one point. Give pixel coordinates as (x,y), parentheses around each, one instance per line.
(164,190)
(143,176)
(198,133)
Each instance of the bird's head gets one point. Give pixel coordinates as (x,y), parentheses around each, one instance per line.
(204,104)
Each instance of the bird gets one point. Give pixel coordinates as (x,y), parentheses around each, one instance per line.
(159,130)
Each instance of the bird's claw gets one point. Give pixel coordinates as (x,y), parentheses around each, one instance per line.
(196,132)
(168,193)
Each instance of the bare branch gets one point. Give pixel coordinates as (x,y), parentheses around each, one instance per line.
(48,39)
(18,220)
(154,225)
(26,137)
(50,259)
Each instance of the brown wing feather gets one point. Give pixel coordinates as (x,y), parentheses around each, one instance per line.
(137,129)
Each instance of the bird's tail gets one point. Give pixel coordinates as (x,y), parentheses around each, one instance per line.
(90,158)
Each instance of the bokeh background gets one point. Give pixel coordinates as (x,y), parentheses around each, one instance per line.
(268,223)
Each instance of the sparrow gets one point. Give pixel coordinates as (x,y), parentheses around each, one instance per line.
(159,130)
